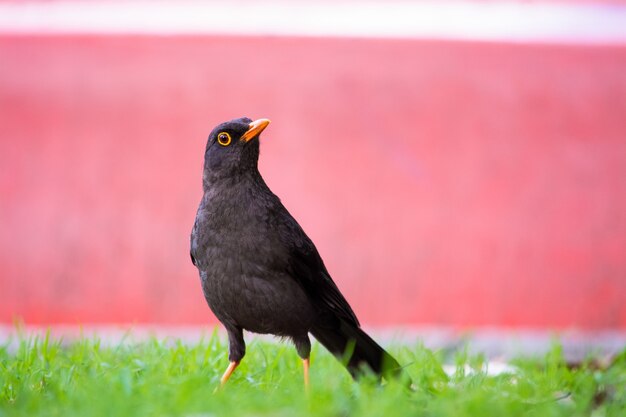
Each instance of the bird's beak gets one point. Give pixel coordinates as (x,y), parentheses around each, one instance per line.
(254,129)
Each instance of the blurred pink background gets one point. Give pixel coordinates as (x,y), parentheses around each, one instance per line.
(446,182)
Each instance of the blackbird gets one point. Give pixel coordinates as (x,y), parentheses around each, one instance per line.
(259,271)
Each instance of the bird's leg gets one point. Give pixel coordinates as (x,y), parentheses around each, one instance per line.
(229,371)
(236,351)
(305,366)
(303,346)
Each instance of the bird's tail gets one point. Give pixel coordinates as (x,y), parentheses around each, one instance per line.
(352,345)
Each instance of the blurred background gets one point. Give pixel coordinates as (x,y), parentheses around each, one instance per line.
(458,164)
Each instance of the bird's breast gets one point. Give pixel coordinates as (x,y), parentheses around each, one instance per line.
(244,272)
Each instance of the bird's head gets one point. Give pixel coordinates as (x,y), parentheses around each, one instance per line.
(233,148)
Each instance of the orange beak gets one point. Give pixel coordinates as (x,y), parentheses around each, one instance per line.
(255,128)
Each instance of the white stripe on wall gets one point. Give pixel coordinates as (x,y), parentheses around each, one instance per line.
(459,20)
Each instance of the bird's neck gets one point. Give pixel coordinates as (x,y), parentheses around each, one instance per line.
(212,184)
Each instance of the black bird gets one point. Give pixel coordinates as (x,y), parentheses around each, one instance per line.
(259,271)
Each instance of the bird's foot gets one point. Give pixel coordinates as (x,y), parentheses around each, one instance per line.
(305,366)
(229,371)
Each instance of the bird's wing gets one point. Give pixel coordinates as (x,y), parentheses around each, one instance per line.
(306,267)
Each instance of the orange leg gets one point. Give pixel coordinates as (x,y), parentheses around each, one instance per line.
(229,371)
(305,366)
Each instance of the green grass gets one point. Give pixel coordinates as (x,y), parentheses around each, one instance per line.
(43,377)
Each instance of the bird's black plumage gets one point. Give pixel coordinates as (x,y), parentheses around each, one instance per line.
(259,271)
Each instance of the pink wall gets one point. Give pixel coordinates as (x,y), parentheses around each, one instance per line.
(443,182)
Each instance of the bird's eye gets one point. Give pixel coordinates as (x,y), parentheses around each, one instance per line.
(223,139)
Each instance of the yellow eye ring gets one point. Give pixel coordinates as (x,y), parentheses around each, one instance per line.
(223,139)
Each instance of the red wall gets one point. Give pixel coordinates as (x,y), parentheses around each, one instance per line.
(443,182)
